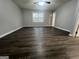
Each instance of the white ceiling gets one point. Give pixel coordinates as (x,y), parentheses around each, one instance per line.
(29,4)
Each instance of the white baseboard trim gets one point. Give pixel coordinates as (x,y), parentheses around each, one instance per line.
(62,29)
(70,35)
(77,35)
(37,26)
(10,32)
(4,57)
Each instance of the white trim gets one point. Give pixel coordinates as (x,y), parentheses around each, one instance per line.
(10,32)
(38,26)
(62,29)
(77,36)
(53,18)
(4,57)
(77,19)
(70,35)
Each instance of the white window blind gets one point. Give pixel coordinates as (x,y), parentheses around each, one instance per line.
(38,17)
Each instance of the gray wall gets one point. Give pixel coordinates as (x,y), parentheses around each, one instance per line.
(65,16)
(28,18)
(10,16)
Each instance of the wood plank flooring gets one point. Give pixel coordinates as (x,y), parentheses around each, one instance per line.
(39,43)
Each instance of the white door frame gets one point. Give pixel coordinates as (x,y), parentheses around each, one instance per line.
(53,18)
(77,20)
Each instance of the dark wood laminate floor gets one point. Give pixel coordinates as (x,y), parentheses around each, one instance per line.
(39,43)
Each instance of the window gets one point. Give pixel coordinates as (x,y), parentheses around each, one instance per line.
(38,17)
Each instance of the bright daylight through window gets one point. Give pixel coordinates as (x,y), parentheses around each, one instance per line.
(38,17)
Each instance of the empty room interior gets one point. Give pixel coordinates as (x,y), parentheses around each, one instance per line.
(39,29)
